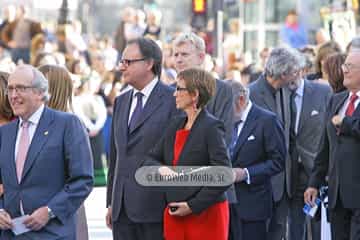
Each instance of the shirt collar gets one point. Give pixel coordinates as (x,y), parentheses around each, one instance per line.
(357,93)
(146,91)
(246,112)
(35,117)
(300,89)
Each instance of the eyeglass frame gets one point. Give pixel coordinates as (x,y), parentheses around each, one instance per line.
(179,89)
(18,89)
(348,66)
(128,62)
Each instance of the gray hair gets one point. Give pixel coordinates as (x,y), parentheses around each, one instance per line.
(282,61)
(40,83)
(238,90)
(192,38)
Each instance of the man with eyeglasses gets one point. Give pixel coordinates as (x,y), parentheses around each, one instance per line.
(338,158)
(45,163)
(140,117)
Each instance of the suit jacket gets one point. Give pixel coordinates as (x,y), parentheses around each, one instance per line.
(339,156)
(311,122)
(205,146)
(263,97)
(58,173)
(128,151)
(221,106)
(261,149)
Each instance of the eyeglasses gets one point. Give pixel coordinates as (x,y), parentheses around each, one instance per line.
(128,62)
(348,66)
(18,89)
(178,89)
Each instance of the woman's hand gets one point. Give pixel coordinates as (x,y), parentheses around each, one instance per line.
(167,172)
(182,209)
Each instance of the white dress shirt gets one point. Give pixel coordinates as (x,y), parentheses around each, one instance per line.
(347,102)
(146,91)
(33,123)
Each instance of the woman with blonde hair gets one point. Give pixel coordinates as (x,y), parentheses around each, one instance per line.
(61,95)
(6,114)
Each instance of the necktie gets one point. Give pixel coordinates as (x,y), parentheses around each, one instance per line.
(137,112)
(294,154)
(234,137)
(293,112)
(23,148)
(351,107)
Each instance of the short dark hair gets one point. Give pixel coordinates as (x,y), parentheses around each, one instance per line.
(149,49)
(201,80)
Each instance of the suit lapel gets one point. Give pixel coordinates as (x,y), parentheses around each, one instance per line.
(248,127)
(125,109)
(12,141)
(151,105)
(40,138)
(306,105)
(342,99)
(192,135)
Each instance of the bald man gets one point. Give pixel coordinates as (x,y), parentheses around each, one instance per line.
(45,162)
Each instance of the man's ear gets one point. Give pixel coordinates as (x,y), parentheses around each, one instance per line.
(150,63)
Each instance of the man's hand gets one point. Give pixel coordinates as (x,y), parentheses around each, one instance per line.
(239,174)
(38,219)
(337,120)
(182,210)
(310,195)
(108,218)
(5,220)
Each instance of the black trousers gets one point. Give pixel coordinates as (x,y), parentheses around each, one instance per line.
(300,226)
(125,229)
(345,223)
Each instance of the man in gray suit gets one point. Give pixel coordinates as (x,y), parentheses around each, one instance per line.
(189,51)
(308,103)
(140,117)
(269,91)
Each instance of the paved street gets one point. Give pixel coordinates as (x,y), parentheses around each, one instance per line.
(95,211)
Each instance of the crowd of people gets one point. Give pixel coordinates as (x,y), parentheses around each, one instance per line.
(77,113)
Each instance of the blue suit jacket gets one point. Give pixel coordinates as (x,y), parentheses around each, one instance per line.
(58,173)
(261,149)
(129,149)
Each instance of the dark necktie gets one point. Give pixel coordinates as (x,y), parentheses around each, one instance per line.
(293,113)
(137,111)
(351,107)
(234,137)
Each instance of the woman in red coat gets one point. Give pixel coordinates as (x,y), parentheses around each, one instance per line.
(195,139)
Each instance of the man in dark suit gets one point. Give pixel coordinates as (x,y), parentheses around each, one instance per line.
(339,156)
(45,162)
(308,103)
(258,153)
(140,117)
(189,52)
(282,67)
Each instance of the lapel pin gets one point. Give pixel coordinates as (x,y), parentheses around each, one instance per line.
(46,133)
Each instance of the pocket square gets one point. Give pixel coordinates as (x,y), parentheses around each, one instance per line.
(314,112)
(251,137)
